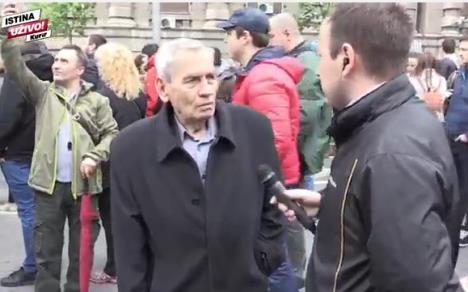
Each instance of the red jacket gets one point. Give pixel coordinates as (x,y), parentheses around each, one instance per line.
(269,86)
(150,87)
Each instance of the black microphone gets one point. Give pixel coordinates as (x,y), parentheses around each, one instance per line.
(275,188)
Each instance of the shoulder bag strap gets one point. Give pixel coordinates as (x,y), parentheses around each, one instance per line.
(88,126)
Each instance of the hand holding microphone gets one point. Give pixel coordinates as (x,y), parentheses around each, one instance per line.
(297,203)
(308,199)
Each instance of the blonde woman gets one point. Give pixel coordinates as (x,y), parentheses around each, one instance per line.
(121,84)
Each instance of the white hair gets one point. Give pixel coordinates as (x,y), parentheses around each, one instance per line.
(168,51)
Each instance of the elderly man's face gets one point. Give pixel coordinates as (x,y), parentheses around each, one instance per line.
(193,85)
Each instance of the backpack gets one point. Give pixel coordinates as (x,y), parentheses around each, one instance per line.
(313,140)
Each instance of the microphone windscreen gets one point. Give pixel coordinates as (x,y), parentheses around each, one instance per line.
(264,172)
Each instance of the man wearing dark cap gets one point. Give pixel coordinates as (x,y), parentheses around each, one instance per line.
(268,84)
(17,144)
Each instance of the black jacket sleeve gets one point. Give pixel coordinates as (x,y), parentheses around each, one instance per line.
(404,200)
(132,251)
(140,102)
(446,67)
(91,74)
(11,109)
(269,252)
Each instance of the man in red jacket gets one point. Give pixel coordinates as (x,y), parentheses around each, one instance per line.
(153,103)
(268,84)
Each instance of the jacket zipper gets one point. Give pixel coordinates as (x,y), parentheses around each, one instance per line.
(64,116)
(343,204)
(51,190)
(74,160)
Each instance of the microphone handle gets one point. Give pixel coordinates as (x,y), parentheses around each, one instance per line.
(299,211)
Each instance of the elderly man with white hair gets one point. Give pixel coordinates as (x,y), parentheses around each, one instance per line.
(189,213)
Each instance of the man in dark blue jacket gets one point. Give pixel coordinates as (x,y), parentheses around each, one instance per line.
(17,128)
(449,63)
(456,122)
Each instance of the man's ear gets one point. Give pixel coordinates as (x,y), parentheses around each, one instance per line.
(245,37)
(161,86)
(81,70)
(349,58)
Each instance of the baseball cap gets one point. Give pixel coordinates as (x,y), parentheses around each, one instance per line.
(251,19)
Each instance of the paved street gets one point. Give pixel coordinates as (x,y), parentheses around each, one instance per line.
(11,246)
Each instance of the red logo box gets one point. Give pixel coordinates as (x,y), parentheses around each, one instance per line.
(28,28)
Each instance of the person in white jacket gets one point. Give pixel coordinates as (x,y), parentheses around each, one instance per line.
(426,79)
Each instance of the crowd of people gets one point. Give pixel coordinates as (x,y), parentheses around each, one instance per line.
(163,148)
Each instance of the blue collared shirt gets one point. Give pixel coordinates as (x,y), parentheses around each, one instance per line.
(199,149)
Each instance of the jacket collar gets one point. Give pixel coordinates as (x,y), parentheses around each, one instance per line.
(260,56)
(85,88)
(389,96)
(167,135)
(464,71)
(297,49)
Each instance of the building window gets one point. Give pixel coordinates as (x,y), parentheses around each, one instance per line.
(175,8)
(267,7)
(179,23)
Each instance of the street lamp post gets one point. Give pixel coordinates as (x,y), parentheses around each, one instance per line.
(156,21)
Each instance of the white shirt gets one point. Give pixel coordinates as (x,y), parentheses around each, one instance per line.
(356,99)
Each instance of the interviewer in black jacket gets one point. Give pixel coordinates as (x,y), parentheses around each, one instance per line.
(17,127)
(188,212)
(390,214)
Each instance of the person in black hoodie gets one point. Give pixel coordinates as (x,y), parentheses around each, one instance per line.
(120,83)
(17,128)
(91,73)
(390,215)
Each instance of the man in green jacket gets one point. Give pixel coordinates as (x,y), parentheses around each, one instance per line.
(315,118)
(66,158)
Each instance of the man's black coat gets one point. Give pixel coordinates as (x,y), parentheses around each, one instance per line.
(175,234)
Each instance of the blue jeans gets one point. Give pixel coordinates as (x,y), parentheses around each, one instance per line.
(16,174)
(309,182)
(283,279)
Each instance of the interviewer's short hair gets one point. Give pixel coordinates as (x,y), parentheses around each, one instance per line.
(381,33)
